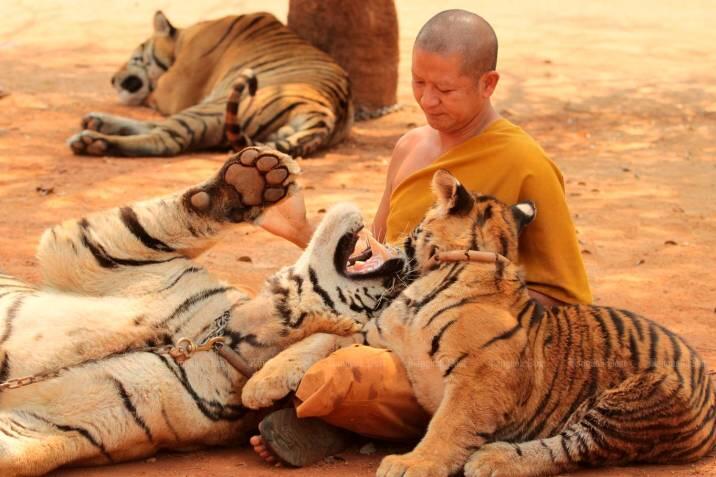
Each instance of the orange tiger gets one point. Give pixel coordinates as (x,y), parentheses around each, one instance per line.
(517,389)
(300,98)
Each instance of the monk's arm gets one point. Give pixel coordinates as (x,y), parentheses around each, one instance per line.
(381,216)
(543,299)
(549,250)
(400,152)
(288,220)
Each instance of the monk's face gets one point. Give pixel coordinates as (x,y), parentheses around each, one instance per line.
(450,99)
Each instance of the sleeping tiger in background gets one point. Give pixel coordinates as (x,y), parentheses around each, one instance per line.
(516,389)
(298,99)
(121,280)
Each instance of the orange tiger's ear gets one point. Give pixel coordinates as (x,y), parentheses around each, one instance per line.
(524,213)
(452,196)
(162,25)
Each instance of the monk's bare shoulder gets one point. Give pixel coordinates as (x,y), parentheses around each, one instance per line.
(415,149)
(415,140)
(411,152)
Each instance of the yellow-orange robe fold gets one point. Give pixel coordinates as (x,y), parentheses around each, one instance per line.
(504,161)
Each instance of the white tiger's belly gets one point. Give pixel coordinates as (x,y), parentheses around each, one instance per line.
(46,330)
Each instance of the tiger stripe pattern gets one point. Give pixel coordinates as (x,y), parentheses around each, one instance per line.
(298,103)
(517,389)
(124,279)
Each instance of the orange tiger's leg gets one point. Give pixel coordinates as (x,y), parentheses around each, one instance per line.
(362,381)
(467,412)
(290,118)
(198,127)
(115,125)
(653,417)
(303,134)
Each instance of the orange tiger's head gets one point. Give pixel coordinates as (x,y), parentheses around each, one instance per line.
(137,78)
(463,220)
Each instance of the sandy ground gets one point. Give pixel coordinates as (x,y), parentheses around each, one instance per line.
(622,95)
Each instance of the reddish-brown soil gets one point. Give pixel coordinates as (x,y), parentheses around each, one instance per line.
(622,95)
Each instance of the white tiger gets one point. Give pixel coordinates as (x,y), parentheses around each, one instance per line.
(122,280)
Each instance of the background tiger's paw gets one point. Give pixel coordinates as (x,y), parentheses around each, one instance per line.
(96,122)
(410,465)
(497,459)
(114,125)
(89,143)
(252,179)
(271,383)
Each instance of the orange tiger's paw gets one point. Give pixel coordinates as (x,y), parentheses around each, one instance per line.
(410,465)
(253,178)
(89,142)
(498,459)
(93,122)
(108,124)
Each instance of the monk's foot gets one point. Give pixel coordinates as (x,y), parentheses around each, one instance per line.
(286,439)
(251,180)
(257,442)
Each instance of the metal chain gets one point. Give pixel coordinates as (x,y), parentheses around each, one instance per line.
(183,350)
(220,328)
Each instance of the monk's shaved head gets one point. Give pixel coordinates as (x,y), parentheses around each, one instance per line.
(463,33)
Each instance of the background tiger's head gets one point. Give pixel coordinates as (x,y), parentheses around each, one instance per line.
(137,78)
(463,220)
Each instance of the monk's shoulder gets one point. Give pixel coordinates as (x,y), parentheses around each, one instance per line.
(523,152)
(414,150)
(415,140)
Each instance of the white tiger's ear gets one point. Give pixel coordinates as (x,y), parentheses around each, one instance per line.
(524,213)
(452,196)
(162,26)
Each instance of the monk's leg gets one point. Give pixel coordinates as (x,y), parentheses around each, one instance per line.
(364,390)
(360,389)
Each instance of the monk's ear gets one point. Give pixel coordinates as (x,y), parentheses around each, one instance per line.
(452,197)
(524,213)
(162,26)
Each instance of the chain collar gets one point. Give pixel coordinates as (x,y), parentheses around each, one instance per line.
(180,352)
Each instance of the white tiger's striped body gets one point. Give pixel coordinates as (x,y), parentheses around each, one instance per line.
(123,279)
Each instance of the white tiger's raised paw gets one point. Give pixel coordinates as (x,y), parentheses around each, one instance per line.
(249,181)
(274,381)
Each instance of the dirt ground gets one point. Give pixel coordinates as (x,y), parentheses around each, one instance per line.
(622,95)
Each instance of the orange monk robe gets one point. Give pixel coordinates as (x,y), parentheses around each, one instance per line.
(504,161)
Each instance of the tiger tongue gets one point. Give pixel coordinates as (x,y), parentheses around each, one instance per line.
(379,254)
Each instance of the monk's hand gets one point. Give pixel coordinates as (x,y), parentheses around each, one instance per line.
(287,219)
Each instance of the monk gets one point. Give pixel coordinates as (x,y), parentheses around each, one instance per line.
(453,78)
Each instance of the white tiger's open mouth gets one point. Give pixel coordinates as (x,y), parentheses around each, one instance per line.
(373,262)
